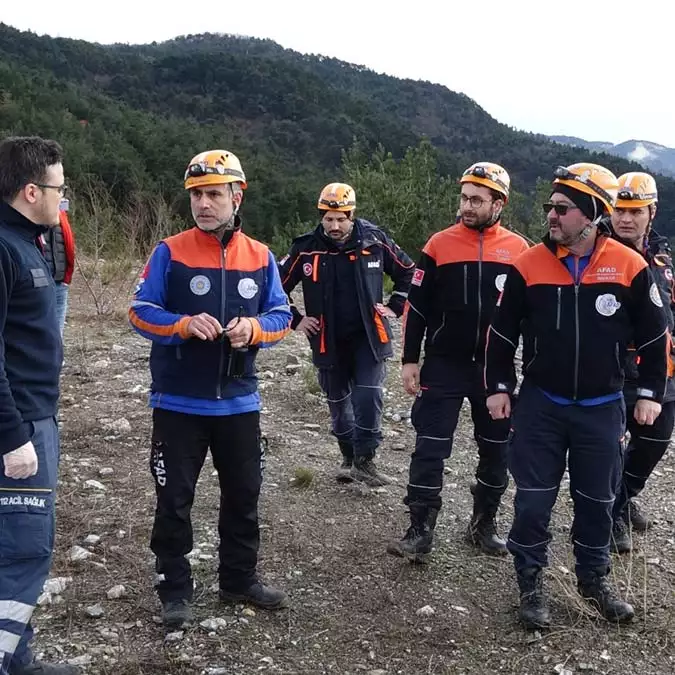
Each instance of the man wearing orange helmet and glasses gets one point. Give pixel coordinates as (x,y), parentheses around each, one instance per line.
(209,299)
(341,265)
(632,224)
(578,299)
(452,297)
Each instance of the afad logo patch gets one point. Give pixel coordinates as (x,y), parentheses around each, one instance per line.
(307,269)
(418,276)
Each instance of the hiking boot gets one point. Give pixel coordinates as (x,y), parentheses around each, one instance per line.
(596,589)
(639,521)
(621,540)
(365,471)
(265,597)
(533,613)
(417,542)
(344,473)
(176,613)
(42,668)
(482,530)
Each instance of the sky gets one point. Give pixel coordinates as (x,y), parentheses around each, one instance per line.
(595,69)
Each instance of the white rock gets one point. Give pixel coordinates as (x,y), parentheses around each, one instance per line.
(121,534)
(44,599)
(315,427)
(395,417)
(175,636)
(56,585)
(267,375)
(101,364)
(94,484)
(94,611)
(605,655)
(119,426)
(214,624)
(398,447)
(217,671)
(117,349)
(458,608)
(247,611)
(268,660)
(293,368)
(116,592)
(77,554)
(561,670)
(83,660)
(92,539)
(427,610)
(106,471)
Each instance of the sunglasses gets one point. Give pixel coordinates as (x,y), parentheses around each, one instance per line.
(560,209)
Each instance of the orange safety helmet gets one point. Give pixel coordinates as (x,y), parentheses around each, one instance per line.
(636,189)
(214,167)
(488,175)
(591,179)
(337,197)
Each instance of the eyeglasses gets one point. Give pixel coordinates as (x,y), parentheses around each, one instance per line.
(475,201)
(199,170)
(560,209)
(62,189)
(629,195)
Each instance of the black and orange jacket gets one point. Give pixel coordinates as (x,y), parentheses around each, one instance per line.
(576,334)
(194,272)
(312,261)
(658,256)
(454,291)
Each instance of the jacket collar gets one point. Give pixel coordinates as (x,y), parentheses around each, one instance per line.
(25,228)
(491,231)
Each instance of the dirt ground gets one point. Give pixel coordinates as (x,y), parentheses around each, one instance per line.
(354,607)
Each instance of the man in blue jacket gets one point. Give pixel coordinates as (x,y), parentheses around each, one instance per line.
(31,188)
(209,299)
(341,266)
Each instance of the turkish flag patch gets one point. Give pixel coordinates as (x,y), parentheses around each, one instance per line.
(417,277)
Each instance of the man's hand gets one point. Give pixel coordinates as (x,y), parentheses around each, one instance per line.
(646,411)
(308,326)
(385,311)
(205,327)
(239,332)
(22,462)
(411,377)
(499,406)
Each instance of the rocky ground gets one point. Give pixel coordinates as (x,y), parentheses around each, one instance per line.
(355,609)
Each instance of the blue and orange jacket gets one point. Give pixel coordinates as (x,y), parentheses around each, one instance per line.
(194,272)
(576,330)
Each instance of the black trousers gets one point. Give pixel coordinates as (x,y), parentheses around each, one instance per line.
(435,413)
(546,438)
(179,446)
(648,444)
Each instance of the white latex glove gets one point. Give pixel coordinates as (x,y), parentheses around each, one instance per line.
(22,462)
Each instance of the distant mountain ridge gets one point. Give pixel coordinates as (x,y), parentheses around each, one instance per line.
(652,156)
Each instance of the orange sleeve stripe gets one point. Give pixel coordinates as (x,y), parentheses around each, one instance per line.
(259,335)
(179,328)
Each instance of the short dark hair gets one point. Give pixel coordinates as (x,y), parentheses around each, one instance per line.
(23,160)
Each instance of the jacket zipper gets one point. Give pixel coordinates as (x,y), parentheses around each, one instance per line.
(576,353)
(223,314)
(531,361)
(466,286)
(557,320)
(438,330)
(480,299)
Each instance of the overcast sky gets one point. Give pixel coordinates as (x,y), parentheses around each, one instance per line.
(595,69)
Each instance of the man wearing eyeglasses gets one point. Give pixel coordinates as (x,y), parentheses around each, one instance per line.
(341,266)
(209,299)
(579,298)
(632,225)
(452,297)
(31,187)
